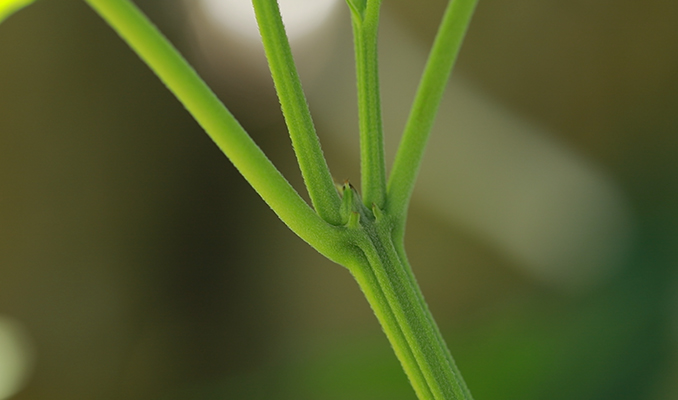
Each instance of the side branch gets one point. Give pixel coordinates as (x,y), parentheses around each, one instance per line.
(305,141)
(372,166)
(425,107)
(173,70)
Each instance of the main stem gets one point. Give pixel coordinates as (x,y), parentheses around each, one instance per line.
(386,279)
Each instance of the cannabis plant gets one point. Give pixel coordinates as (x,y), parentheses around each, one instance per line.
(361,230)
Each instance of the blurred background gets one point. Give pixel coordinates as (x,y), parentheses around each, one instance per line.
(135,263)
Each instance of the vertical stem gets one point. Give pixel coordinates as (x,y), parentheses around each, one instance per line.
(389,285)
(369,284)
(409,275)
(372,169)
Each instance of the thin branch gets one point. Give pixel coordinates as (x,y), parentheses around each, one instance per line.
(365,18)
(425,107)
(305,141)
(173,70)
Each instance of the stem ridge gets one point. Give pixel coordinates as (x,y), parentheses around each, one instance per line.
(404,315)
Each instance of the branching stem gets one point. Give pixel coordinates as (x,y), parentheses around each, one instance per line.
(154,49)
(366,235)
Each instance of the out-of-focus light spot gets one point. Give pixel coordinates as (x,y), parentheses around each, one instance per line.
(16,357)
(301,17)
(9,7)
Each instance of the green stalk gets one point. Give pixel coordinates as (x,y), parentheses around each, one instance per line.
(384,273)
(365,20)
(305,141)
(386,279)
(182,80)
(425,107)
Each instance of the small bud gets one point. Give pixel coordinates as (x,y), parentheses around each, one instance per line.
(347,202)
(353,220)
(378,214)
(357,7)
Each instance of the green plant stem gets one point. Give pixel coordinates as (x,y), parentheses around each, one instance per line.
(305,141)
(385,277)
(370,243)
(142,36)
(425,107)
(365,19)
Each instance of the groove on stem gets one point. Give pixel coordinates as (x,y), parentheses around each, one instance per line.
(389,285)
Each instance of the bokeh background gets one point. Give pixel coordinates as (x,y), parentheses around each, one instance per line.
(135,263)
